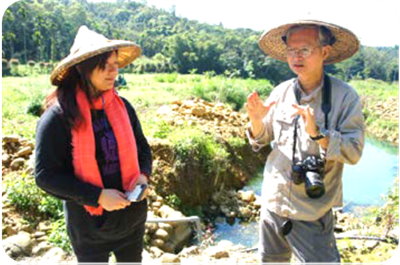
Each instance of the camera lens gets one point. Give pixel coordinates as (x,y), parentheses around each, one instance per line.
(286,227)
(314,185)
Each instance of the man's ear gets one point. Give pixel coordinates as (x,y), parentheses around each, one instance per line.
(326,50)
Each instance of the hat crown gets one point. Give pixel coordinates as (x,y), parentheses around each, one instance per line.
(87,39)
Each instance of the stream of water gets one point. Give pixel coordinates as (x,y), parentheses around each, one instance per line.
(364,184)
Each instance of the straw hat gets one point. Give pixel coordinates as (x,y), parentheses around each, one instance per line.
(345,46)
(87,44)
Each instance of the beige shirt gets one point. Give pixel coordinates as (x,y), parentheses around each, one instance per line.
(346,142)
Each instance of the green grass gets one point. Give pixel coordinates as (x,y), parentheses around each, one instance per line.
(378,89)
(18,93)
(147,92)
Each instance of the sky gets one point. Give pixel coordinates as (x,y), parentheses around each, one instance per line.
(374,22)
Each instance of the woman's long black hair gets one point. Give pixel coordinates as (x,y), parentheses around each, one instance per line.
(65,93)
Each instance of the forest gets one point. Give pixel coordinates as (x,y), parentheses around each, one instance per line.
(41,32)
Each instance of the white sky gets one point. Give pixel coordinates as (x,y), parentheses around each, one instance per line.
(374,22)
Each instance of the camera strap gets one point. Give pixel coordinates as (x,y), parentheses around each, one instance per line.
(326,98)
(325,107)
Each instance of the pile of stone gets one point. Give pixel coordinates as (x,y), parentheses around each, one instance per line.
(165,236)
(24,240)
(189,180)
(16,152)
(215,118)
(242,204)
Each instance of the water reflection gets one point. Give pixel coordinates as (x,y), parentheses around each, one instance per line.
(372,177)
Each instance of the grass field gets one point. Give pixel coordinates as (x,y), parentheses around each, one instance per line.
(149,91)
(146,92)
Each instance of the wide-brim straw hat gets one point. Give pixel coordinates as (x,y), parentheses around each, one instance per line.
(346,44)
(89,43)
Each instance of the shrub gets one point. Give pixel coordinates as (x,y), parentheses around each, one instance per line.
(59,236)
(6,69)
(193,145)
(163,130)
(35,105)
(173,201)
(24,194)
(14,62)
(31,63)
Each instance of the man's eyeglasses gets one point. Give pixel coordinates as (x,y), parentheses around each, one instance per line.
(303,52)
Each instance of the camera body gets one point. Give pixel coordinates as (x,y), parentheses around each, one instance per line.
(311,172)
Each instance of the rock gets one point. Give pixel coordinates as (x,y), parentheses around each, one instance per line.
(42,238)
(167,212)
(156,204)
(169,247)
(18,245)
(40,248)
(217,252)
(231,214)
(39,234)
(245,212)
(157,243)
(44,226)
(152,227)
(162,234)
(9,230)
(257,202)
(5,158)
(55,255)
(164,110)
(27,150)
(11,139)
(247,196)
(189,251)
(27,228)
(170,258)
(198,110)
(225,209)
(167,227)
(181,235)
(156,252)
(17,163)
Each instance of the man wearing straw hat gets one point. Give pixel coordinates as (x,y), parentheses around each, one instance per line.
(314,124)
(90,150)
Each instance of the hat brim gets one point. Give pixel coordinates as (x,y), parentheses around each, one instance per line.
(127,53)
(346,44)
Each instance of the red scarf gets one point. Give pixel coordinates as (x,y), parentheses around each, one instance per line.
(84,147)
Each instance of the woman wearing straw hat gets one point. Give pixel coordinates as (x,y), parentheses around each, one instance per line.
(90,150)
(314,124)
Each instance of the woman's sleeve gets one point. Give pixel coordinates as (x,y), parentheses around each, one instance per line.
(53,166)
(143,147)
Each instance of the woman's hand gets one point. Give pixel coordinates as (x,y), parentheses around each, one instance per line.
(112,199)
(143,180)
(257,111)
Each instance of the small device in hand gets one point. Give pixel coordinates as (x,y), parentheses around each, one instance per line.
(137,193)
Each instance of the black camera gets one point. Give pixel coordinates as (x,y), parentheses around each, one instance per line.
(310,171)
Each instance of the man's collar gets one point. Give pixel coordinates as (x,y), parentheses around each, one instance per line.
(304,98)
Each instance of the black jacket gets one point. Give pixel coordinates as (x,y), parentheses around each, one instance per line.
(54,173)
